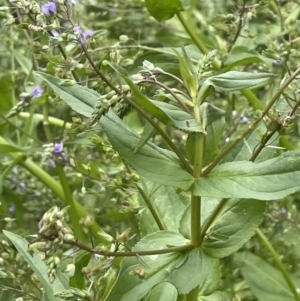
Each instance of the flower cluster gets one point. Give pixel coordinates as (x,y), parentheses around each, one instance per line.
(82,35)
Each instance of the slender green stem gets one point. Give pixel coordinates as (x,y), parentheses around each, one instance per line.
(152,209)
(182,104)
(196,200)
(87,248)
(70,201)
(52,120)
(253,125)
(195,220)
(279,264)
(212,218)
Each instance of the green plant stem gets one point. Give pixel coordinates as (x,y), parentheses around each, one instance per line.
(70,201)
(87,248)
(196,200)
(153,211)
(183,105)
(212,218)
(253,125)
(57,189)
(52,120)
(139,109)
(279,264)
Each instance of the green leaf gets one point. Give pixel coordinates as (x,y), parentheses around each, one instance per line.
(169,205)
(266,282)
(37,265)
(163,292)
(167,113)
(267,180)
(234,81)
(208,205)
(188,72)
(213,123)
(118,69)
(148,133)
(153,163)
(225,236)
(78,279)
(163,10)
(244,149)
(241,56)
(216,296)
(24,62)
(81,99)
(178,118)
(130,287)
(205,271)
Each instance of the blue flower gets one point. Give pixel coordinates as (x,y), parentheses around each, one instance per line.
(49,8)
(37,91)
(83,35)
(22,186)
(58,148)
(244,119)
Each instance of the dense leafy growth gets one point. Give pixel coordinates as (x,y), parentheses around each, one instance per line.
(149,150)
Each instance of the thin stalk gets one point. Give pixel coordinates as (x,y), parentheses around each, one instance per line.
(87,248)
(212,218)
(52,120)
(183,105)
(252,125)
(152,209)
(196,200)
(77,228)
(279,264)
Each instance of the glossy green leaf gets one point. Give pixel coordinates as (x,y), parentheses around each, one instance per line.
(129,286)
(266,282)
(80,98)
(163,292)
(267,180)
(225,236)
(153,163)
(169,205)
(234,81)
(163,10)
(37,265)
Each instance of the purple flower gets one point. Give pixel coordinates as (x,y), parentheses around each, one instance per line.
(54,32)
(244,119)
(48,8)
(22,186)
(58,148)
(37,91)
(83,35)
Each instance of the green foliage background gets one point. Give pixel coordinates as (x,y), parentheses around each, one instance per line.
(257,38)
